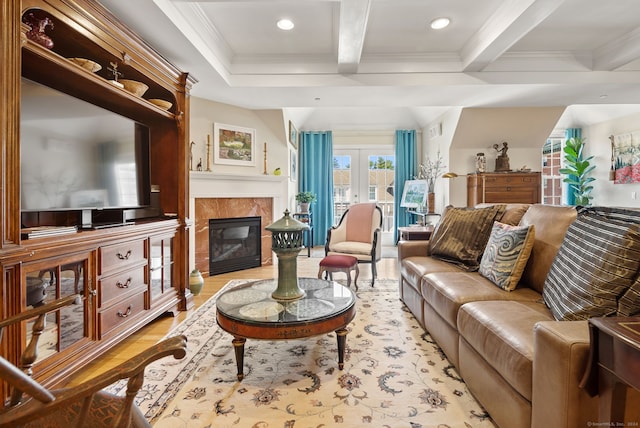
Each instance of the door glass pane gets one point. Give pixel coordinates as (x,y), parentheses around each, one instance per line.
(551,178)
(342,185)
(66,326)
(380,182)
(161,266)
(365,175)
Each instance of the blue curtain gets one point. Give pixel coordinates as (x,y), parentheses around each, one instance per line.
(316,175)
(567,191)
(406,169)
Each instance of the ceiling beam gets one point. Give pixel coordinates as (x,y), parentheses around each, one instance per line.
(192,21)
(354,15)
(618,52)
(511,21)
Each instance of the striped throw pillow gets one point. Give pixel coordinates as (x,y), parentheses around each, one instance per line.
(506,254)
(629,303)
(596,264)
(461,235)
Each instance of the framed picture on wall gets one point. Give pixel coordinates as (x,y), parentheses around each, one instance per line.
(293,135)
(234,145)
(293,165)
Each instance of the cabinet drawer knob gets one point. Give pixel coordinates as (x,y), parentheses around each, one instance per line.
(125,256)
(508,189)
(126,314)
(119,284)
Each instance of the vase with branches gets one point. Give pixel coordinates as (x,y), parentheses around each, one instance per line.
(431,170)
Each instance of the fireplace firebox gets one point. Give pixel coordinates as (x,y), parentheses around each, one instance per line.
(234,244)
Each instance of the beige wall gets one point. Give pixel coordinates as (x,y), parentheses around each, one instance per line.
(464,132)
(271,127)
(605,192)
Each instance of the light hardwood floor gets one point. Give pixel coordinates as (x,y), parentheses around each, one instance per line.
(155,331)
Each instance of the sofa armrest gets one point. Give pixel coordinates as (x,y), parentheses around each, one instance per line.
(561,352)
(412,248)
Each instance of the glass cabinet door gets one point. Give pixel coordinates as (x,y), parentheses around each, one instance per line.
(161,266)
(46,282)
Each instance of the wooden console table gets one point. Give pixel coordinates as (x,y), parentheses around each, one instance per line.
(614,364)
(504,187)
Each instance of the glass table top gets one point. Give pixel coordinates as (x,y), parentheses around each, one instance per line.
(253,302)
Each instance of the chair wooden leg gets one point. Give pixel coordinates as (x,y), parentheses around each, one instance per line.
(355,280)
(373,272)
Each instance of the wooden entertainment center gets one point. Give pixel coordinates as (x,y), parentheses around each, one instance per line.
(124,276)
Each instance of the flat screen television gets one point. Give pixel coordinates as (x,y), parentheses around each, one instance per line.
(77,156)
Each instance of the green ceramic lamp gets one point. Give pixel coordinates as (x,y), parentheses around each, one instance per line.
(286,242)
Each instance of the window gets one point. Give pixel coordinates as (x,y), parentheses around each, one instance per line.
(373,193)
(551,178)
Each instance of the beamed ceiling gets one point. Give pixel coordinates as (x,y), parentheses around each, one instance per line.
(376,64)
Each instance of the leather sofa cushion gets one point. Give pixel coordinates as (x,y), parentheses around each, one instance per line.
(512,213)
(414,268)
(501,332)
(551,224)
(446,292)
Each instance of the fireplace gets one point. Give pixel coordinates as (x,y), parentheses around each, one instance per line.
(234,244)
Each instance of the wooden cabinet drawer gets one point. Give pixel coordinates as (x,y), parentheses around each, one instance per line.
(120,313)
(509,181)
(120,256)
(509,197)
(117,286)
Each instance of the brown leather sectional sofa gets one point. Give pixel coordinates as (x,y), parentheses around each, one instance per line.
(521,364)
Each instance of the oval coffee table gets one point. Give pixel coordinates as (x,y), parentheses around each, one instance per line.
(248,312)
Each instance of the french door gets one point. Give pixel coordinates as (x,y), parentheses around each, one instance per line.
(365,175)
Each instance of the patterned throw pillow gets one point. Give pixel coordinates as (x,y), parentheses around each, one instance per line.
(596,264)
(462,234)
(506,254)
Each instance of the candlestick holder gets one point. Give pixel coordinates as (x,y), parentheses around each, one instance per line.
(208,152)
(265,159)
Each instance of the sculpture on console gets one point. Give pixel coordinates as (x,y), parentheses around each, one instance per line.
(502,161)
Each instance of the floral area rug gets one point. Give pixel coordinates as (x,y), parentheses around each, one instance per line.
(394,376)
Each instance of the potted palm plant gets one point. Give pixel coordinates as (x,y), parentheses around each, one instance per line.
(304,199)
(578,171)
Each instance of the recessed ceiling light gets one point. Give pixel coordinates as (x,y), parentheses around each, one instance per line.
(440,23)
(285,24)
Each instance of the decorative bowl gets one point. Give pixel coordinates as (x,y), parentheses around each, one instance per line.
(135,87)
(164,105)
(87,64)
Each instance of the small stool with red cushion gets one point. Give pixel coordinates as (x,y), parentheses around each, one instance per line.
(340,263)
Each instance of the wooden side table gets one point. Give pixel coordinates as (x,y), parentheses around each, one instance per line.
(415,233)
(614,365)
(307,218)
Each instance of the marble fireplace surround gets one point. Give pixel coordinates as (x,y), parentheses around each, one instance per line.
(231,196)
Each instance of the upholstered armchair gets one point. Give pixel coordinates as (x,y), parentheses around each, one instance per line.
(84,405)
(358,235)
